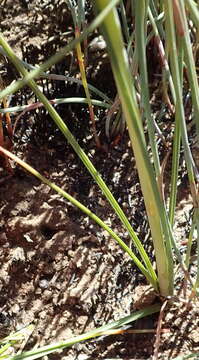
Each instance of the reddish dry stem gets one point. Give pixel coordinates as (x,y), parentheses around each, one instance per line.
(178,18)
(5,141)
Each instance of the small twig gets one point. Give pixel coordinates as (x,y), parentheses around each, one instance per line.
(29,108)
(158,331)
(161,177)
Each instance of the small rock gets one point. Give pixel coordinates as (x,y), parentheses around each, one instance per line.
(44,284)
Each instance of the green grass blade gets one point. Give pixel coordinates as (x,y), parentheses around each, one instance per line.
(176,147)
(48,349)
(166,70)
(191,67)
(84,158)
(174,171)
(141,10)
(60,55)
(175,69)
(154,205)
(65,78)
(74,100)
(190,240)
(194,12)
(171,39)
(151,279)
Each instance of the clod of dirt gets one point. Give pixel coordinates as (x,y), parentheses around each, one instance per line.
(144,295)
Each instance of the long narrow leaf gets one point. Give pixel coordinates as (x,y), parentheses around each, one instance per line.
(60,55)
(155,208)
(84,209)
(48,349)
(84,158)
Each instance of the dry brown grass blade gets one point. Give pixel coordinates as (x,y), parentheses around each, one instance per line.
(158,331)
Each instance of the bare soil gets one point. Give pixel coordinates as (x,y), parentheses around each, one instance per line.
(59,270)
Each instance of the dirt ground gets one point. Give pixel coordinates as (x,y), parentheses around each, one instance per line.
(59,270)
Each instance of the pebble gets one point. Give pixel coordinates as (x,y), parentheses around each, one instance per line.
(43,284)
